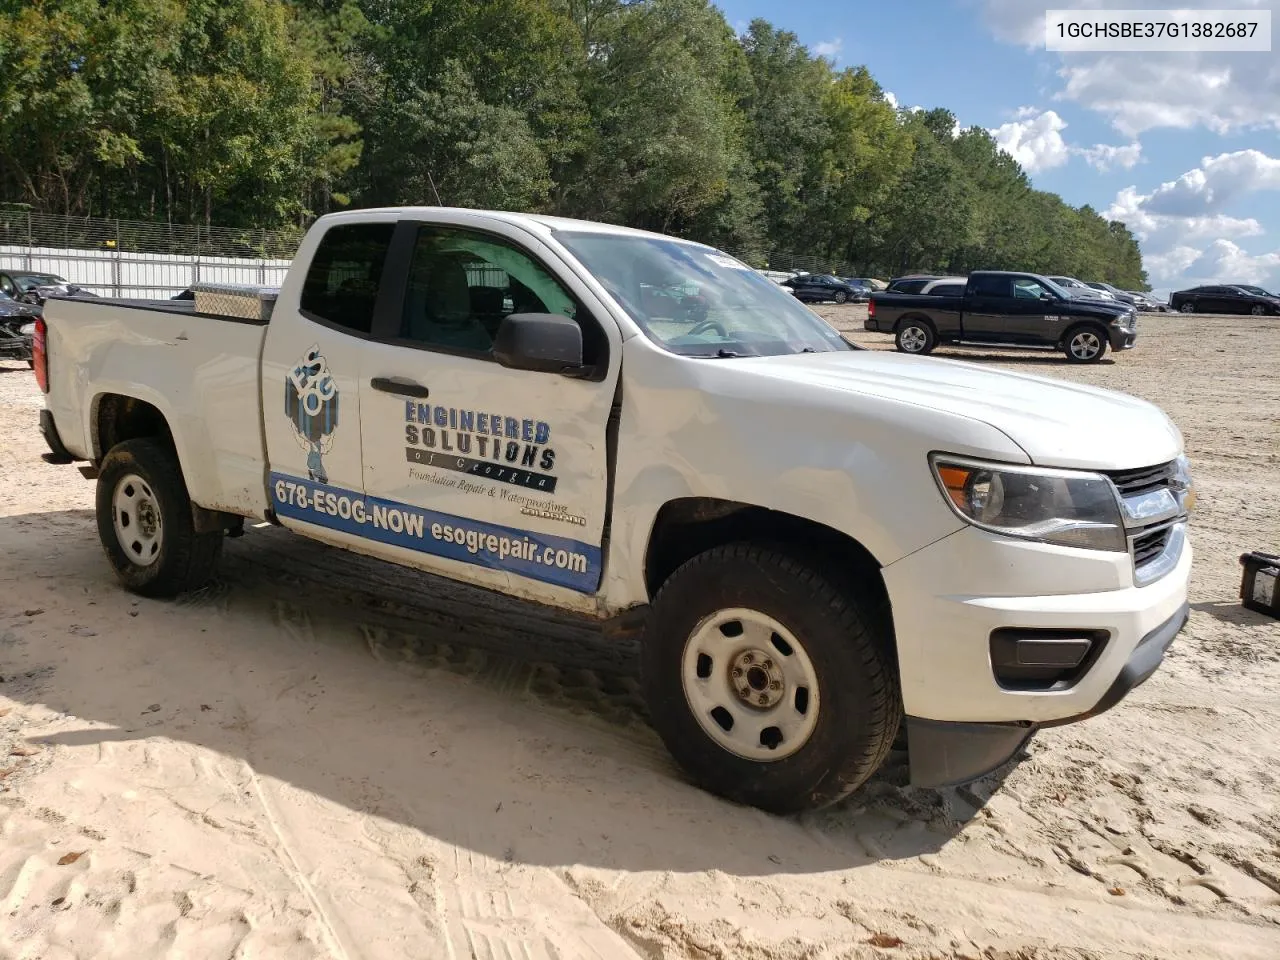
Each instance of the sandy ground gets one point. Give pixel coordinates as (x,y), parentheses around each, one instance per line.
(320,756)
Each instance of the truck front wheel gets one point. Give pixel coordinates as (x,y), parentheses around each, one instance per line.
(915,336)
(768,682)
(145,522)
(1085,345)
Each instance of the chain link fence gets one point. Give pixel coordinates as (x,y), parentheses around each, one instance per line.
(21,226)
(129,258)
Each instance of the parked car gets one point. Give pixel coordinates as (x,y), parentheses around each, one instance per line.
(1146,302)
(996,307)
(36,288)
(1115,291)
(1225,298)
(912,283)
(1078,288)
(823,287)
(810,541)
(864,288)
(15,328)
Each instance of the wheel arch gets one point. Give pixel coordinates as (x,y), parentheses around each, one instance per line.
(117,417)
(687,526)
(1080,323)
(923,318)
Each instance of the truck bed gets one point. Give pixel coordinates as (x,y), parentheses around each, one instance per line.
(200,371)
(943,312)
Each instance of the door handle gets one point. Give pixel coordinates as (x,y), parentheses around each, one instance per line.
(400,386)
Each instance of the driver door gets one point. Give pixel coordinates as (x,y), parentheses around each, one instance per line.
(498,476)
(1032,318)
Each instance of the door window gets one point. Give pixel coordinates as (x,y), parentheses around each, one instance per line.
(989,287)
(463,284)
(342,282)
(1025,289)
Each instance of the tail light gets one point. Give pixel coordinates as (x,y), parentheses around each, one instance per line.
(39,356)
(871,307)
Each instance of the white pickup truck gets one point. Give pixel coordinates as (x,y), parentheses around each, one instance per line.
(818,543)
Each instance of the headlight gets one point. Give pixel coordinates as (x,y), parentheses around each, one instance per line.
(1067,507)
(1184,487)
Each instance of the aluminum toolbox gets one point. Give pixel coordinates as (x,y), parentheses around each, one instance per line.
(238,302)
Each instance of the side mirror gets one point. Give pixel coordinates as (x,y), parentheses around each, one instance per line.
(544,342)
(1046,296)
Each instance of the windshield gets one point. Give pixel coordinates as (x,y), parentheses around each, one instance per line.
(698,302)
(32,280)
(1256,290)
(1054,288)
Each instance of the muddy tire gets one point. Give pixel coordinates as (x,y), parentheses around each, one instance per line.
(771,684)
(145,522)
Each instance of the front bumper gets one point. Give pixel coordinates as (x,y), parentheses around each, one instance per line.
(949,598)
(943,754)
(1122,338)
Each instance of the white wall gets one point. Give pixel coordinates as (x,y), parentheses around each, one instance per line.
(140,275)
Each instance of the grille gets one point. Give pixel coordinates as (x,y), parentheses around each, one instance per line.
(1148,546)
(1142,480)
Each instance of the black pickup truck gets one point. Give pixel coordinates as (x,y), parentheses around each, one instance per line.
(999,308)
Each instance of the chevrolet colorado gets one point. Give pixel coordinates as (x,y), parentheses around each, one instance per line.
(816,543)
(1010,309)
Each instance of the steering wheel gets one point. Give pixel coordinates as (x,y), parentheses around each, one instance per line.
(707,325)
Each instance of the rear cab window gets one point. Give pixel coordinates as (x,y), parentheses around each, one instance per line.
(343,279)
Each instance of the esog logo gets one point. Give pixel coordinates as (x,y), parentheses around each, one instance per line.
(311,404)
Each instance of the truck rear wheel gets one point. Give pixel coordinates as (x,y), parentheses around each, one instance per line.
(768,682)
(915,336)
(145,522)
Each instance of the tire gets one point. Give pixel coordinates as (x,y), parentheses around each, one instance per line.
(915,337)
(1187,307)
(842,728)
(1259,310)
(840,296)
(141,482)
(1085,344)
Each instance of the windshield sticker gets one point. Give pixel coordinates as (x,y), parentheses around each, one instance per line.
(311,404)
(728,262)
(490,446)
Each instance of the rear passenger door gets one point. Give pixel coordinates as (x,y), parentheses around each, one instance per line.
(987,303)
(311,365)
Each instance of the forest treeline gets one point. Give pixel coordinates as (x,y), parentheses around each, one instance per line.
(650,113)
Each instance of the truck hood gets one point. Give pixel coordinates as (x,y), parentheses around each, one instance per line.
(1057,423)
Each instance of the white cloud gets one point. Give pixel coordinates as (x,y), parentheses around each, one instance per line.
(1158,231)
(890,99)
(1103,157)
(1035,140)
(1216,183)
(829,48)
(1222,92)
(1225,262)
(1187,236)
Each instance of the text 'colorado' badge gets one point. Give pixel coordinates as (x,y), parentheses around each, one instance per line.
(490,445)
(311,404)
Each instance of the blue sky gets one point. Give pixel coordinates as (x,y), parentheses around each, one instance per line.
(1184,147)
